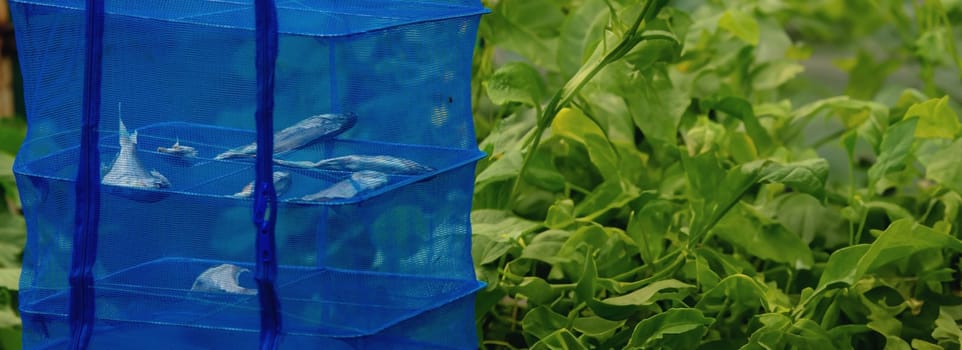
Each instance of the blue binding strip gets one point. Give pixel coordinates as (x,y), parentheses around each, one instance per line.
(87,212)
(265,200)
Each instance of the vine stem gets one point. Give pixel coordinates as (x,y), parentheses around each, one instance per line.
(574,85)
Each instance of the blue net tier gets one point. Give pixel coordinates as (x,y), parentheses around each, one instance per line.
(374,163)
(447,327)
(402,67)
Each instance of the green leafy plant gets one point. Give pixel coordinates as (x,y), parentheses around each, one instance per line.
(12,233)
(679,175)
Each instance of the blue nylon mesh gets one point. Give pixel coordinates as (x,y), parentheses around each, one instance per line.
(386,267)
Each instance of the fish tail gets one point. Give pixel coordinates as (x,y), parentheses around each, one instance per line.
(123,132)
(126,138)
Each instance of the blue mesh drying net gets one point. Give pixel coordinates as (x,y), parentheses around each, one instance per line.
(247,174)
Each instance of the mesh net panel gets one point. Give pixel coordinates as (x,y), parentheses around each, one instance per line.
(375,155)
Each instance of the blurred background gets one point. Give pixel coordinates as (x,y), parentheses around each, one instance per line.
(13,128)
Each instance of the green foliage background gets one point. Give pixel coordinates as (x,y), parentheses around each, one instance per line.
(12,232)
(719,174)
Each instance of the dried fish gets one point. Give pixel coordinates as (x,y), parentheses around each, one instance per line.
(179,150)
(282,181)
(361,181)
(302,134)
(222,278)
(384,164)
(127,171)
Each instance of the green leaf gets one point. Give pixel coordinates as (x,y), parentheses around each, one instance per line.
(707,277)
(762,237)
(11,338)
(656,105)
(772,333)
(647,294)
(947,329)
(679,328)
(10,278)
(741,109)
(705,136)
(542,172)
(537,291)
(943,166)
(895,152)
(596,327)
(625,306)
(8,184)
(495,232)
(13,235)
(561,214)
(607,196)
(649,226)
(505,168)
(545,246)
(740,24)
(903,238)
(508,133)
(529,28)
(778,332)
(717,197)
(808,218)
(12,133)
(515,82)
(867,76)
(806,334)
(841,268)
(8,318)
(920,344)
(573,124)
(851,112)
(580,33)
(6,165)
(594,236)
(936,119)
(561,339)
(700,170)
(807,176)
(541,322)
(773,74)
(739,292)
(774,43)
(650,52)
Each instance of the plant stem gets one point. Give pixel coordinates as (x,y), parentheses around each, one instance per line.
(571,88)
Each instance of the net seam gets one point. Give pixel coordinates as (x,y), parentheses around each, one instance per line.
(87,185)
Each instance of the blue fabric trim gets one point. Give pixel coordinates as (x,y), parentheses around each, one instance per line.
(265,200)
(87,214)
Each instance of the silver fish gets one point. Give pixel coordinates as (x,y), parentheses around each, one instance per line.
(306,132)
(282,181)
(222,278)
(179,150)
(127,170)
(360,181)
(384,164)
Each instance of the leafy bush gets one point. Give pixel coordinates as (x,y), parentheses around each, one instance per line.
(12,233)
(703,175)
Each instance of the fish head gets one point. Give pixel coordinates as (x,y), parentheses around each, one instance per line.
(343,121)
(282,181)
(159,180)
(231,270)
(350,162)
